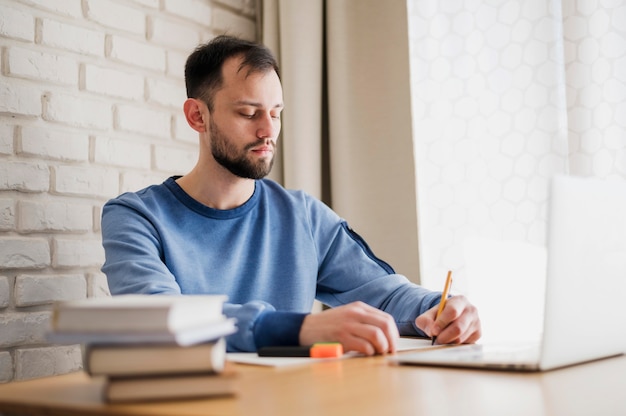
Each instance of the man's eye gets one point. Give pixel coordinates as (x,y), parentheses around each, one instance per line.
(247,115)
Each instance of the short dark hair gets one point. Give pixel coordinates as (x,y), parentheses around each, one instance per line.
(203,70)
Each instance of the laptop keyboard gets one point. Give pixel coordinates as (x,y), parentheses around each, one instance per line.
(495,353)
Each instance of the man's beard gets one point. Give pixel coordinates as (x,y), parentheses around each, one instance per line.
(227,155)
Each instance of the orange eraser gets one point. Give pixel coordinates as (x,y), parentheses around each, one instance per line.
(326,350)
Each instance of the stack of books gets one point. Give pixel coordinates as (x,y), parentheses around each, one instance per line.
(149,347)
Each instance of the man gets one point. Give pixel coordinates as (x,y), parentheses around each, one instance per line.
(223,229)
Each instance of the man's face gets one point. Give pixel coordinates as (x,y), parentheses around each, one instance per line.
(245,121)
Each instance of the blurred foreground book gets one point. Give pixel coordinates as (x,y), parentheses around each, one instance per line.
(149,347)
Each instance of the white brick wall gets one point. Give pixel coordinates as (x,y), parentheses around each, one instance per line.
(175,34)
(24,253)
(24,176)
(40,290)
(116,16)
(76,110)
(113,82)
(23,328)
(78,39)
(6,139)
(5,297)
(89,181)
(16,24)
(54,216)
(127,51)
(77,252)
(7,214)
(42,66)
(122,152)
(38,362)
(19,99)
(53,143)
(143,120)
(6,367)
(91,93)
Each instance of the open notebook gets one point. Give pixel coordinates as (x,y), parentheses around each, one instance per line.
(584,316)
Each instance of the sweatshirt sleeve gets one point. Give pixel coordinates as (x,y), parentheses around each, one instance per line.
(350,271)
(260,325)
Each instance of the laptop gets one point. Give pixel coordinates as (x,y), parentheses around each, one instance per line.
(584,317)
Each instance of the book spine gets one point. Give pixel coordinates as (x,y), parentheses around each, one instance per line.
(157,359)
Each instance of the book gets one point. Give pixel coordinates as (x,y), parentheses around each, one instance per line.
(132,313)
(182,386)
(183,337)
(154,359)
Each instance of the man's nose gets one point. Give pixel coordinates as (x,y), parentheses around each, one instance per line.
(268,127)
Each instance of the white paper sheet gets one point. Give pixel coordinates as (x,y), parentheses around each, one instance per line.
(404,344)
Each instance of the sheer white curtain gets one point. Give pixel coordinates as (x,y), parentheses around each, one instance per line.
(505,94)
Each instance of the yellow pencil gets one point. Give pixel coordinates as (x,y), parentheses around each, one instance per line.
(444,297)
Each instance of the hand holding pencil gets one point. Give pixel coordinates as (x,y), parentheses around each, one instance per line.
(444,298)
(453,321)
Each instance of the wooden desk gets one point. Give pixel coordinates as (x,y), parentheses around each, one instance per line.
(359,386)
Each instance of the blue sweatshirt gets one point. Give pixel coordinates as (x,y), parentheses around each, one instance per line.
(272,256)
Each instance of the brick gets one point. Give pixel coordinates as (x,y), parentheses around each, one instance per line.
(233,24)
(54,216)
(113,82)
(70,8)
(176,35)
(5,294)
(16,24)
(183,132)
(7,136)
(40,290)
(197,11)
(6,367)
(148,3)
(25,177)
(143,120)
(128,51)
(116,16)
(167,93)
(76,110)
(42,66)
(19,99)
(122,153)
(53,144)
(135,181)
(72,38)
(77,253)
(97,215)
(24,253)
(22,328)
(47,361)
(174,160)
(86,181)
(97,285)
(176,64)
(7,215)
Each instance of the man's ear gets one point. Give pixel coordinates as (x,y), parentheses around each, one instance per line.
(194,116)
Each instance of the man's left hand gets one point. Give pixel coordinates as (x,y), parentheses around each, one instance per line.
(458,323)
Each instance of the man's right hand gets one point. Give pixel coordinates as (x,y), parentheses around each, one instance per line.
(357,326)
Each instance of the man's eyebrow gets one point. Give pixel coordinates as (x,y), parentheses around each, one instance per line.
(256,104)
